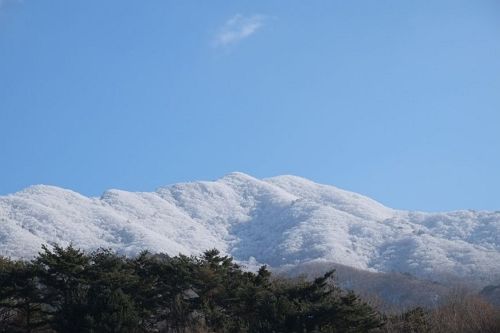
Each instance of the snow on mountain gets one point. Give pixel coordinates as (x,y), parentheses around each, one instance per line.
(279,221)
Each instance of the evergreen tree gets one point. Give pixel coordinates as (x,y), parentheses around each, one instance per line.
(110,308)
(163,294)
(20,297)
(64,276)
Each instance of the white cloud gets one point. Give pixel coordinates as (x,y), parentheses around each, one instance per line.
(238,28)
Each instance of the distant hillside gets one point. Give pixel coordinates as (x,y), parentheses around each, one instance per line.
(391,292)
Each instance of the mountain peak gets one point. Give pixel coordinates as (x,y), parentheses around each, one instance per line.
(236,175)
(48,190)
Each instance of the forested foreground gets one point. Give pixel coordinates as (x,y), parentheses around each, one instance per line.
(67,290)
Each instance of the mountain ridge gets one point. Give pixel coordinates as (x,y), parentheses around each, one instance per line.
(283,220)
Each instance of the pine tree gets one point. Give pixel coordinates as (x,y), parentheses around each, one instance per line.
(110,308)
(20,296)
(64,275)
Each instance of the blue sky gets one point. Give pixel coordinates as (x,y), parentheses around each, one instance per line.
(398,100)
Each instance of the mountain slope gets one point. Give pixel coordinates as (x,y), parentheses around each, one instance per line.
(279,221)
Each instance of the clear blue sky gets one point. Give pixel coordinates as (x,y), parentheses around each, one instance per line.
(395,99)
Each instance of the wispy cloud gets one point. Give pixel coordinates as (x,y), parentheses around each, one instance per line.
(238,28)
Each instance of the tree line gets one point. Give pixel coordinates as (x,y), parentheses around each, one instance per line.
(65,289)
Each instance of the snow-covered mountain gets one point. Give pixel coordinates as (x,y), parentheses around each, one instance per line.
(281,221)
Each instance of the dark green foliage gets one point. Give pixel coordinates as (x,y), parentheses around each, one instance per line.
(20,297)
(67,290)
(111,282)
(112,311)
(302,306)
(63,274)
